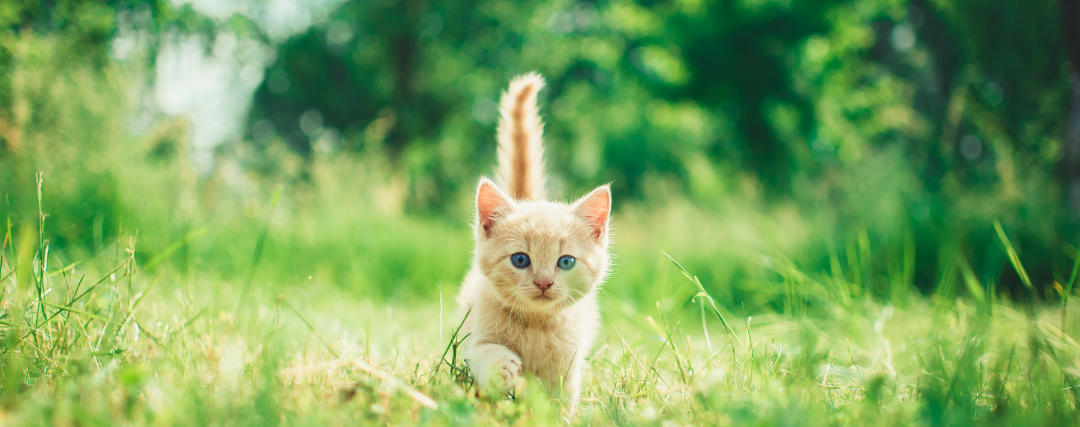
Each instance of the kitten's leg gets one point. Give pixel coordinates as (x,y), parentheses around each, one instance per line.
(572,386)
(495,367)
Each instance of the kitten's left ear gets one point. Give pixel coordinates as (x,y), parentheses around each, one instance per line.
(490,204)
(595,209)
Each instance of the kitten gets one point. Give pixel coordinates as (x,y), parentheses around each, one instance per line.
(537,265)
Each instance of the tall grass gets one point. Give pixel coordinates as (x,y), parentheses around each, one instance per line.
(100,341)
(133,291)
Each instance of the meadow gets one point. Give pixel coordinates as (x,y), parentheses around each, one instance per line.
(870,220)
(266,335)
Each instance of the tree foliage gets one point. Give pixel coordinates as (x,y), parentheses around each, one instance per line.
(911,124)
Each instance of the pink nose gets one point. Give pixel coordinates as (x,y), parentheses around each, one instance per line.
(543,284)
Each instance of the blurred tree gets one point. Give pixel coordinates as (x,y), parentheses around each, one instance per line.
(915,122)
(86,28)
(1069,167)
(65,103)
(964,100)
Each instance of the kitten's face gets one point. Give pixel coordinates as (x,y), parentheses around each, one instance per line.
(542,256)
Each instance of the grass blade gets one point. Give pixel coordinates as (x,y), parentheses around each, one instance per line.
(172,248)
(1013,257)
(76,311)
(309,325)
(712,302)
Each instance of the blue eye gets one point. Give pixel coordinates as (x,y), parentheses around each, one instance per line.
(566,262)
(520,260)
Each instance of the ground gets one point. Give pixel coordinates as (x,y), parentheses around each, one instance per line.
(119,346)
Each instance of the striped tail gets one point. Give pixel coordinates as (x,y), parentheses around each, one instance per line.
(521,149)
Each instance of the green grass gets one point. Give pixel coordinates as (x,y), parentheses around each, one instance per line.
(296,341)
(274,291)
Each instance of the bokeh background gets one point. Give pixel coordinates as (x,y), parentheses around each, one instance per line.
(281,143)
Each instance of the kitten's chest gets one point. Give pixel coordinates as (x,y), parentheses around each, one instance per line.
(546,352)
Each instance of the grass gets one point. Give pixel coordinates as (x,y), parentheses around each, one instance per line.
(103,341)
(134,292)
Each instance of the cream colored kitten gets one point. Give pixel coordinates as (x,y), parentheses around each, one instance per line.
(537,265)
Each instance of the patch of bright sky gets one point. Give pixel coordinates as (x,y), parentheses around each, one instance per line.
(213,85)
(212,88)
(279,18)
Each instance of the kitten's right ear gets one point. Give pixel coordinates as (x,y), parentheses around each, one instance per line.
(595,209)
(491,204)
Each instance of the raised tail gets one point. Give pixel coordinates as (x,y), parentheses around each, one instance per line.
(521,149)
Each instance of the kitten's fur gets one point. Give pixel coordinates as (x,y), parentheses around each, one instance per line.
(515,326)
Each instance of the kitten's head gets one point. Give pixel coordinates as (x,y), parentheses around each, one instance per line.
(540,255)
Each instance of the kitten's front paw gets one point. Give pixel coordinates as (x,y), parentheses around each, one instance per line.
(510,368)
(504,373)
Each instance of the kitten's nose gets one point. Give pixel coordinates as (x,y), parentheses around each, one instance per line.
(543,284)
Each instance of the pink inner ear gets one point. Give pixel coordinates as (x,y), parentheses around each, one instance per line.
(489,202)
(595,208)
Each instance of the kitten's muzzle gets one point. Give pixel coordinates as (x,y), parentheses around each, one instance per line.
(544,284)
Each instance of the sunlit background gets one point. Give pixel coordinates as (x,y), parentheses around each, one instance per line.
(794,155)
(892,130)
